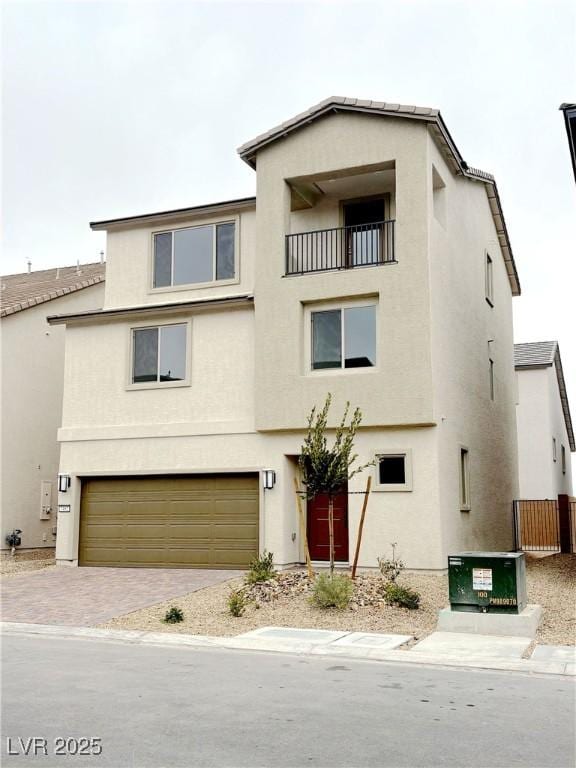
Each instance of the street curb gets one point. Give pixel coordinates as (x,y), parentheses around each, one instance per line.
(268,645)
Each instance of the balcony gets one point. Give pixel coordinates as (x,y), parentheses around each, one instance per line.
(326,250)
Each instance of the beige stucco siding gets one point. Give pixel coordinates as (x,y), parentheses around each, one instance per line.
(466,333)
(398,390)
(32,385)
(410,519)
(99,402)
(540,420)
(129,263)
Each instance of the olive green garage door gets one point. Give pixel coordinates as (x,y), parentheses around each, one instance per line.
(192,521)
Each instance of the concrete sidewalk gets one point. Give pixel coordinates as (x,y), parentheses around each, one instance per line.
(438,649)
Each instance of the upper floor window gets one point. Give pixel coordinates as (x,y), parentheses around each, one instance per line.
(344,338)
(554,455)
(159,354)
(489,278)
(563,458)
(464,480)
(491,375)
(194,255)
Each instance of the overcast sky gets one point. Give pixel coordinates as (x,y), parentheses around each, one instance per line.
(113,109)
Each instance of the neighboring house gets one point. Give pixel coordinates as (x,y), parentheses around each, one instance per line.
(569,111)
(32,384)
(373,264)
(545,433)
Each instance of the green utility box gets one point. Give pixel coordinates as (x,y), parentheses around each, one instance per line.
(493,582)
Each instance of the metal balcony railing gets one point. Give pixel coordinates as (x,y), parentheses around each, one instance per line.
(363,245)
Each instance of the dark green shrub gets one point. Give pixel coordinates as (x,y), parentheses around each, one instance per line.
(174,615)
(261,568)
(332,592)
(237,602)
(404,597)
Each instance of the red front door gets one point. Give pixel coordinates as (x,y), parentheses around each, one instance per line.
(318,533)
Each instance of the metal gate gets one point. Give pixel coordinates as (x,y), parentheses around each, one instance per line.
(545,525)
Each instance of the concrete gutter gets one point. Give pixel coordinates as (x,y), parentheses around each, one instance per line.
(326,649)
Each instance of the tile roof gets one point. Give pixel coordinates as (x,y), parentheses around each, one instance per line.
(534,353)
(543,354)
(440,134)
(248,149)
(27,289)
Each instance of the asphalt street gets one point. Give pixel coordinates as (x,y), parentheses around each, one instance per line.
(140,705)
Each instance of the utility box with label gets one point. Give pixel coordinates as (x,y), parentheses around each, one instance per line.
(487,582)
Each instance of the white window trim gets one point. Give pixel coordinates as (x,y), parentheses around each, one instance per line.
(489,278)
(464,501)
(196,286)
(397,487)
(186,382)
(310,309)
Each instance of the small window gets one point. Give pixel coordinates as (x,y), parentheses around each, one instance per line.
(489,280)
(563,457)
(159,354)
(491,374)
(393,471)
(194,255)
(344,338)
(554,451)
(464,479)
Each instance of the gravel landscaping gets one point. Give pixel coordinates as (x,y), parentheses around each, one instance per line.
(285,603)
(26,560)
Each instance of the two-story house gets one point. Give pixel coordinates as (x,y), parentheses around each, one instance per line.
(545,432)
(374,264)
(32,376)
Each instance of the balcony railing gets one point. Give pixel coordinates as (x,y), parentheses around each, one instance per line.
(363,245)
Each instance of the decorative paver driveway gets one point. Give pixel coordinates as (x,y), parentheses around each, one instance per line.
(84,597)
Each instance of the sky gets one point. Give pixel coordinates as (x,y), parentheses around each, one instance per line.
(112,109)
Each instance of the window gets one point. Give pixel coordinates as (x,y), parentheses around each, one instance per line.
(194,255)
(489,281)
(491,374)
(159,355)
(563,457)
(344,338)
(554,454)
(393,471)
(464,480)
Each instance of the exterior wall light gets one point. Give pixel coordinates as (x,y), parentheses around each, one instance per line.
(268,479)
(63,483)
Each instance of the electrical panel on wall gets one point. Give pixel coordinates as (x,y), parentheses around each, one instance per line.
(45,500)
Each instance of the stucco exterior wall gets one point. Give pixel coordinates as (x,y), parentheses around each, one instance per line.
(99,402)
(251,385)
(540,419)
(410,519)
(129,262)
(466,333)
(399,389)
(32,386)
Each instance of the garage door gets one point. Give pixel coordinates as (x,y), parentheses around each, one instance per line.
(193,521)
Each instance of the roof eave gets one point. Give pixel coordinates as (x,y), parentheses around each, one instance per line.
(103,315)
(239,204)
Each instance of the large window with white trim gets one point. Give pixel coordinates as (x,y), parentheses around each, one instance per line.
(194,255)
